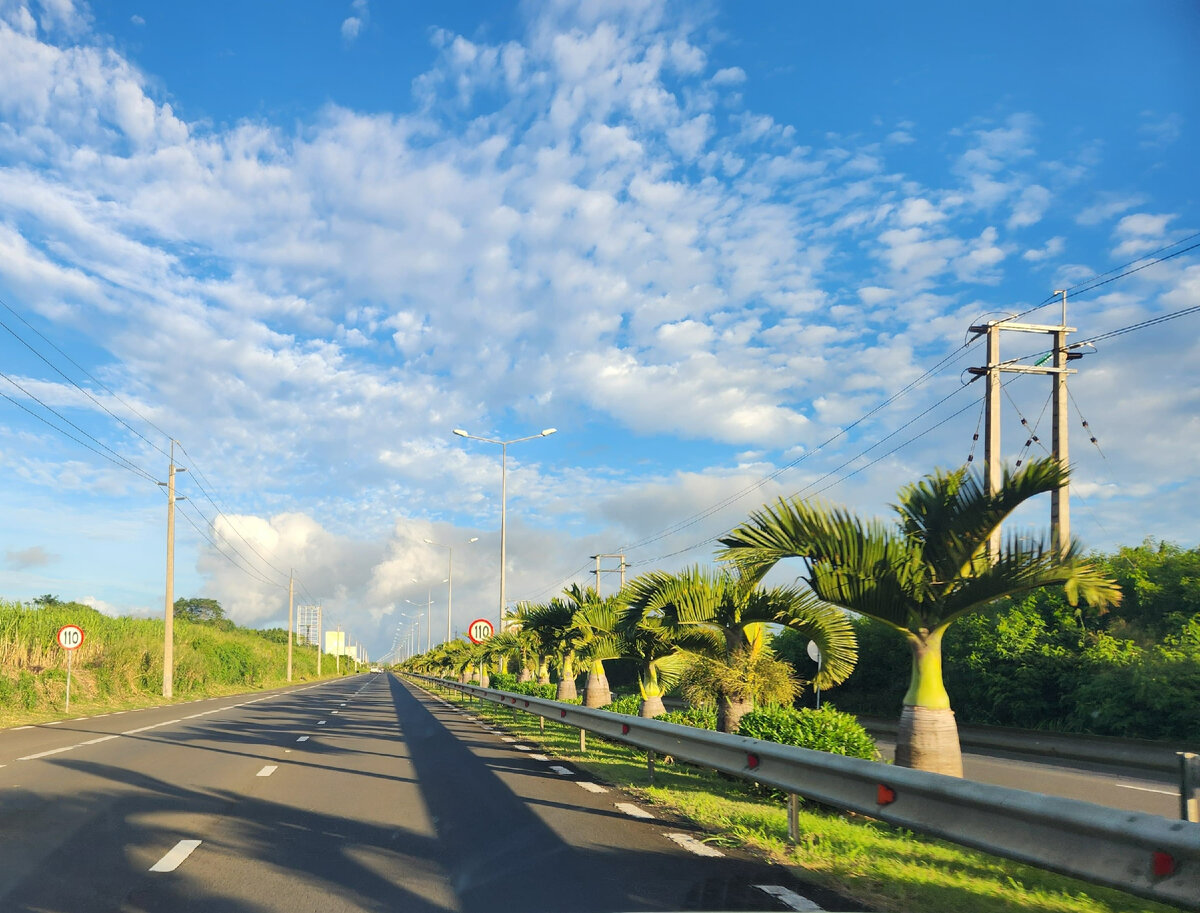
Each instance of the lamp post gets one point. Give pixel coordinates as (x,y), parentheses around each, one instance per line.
(449,579)
(545,432)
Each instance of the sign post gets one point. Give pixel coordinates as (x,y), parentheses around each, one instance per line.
(70,638)
(814,653)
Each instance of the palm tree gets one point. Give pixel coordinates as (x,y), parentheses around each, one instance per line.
(663,653)
(554,625)
(921,575)
(538,640)
(735,611)
(594,625)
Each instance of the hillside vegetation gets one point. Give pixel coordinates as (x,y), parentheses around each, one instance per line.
(121,661)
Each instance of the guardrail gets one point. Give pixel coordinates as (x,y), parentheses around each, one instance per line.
(1146,855)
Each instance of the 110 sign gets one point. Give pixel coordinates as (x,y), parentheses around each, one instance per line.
(70,637)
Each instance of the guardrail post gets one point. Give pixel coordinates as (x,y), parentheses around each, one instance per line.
(542,724)
(1189,786)
(582,739)
(793,818)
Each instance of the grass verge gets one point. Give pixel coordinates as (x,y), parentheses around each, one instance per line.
(120,664)
(883,867)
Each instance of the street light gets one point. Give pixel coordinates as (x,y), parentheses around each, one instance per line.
(545,432)
(449,579)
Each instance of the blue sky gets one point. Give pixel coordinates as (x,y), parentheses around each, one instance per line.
(700,240)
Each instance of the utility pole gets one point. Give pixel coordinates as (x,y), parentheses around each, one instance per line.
(1060,509)
(337,657)
(291,594)
(619,569)
(320,640)
(168,685)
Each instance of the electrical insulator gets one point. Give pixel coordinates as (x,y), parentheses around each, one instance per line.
(1093,440)
(970,457)
(1024,421)
(1037,439)
(975,436)
(1028,442)
(1085,424)
(1018,462)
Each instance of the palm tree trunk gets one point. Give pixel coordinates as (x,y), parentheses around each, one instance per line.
(596,692)
(544,671)
(566,680)
(928,736)
(730,711)
(526,674)
(652,706)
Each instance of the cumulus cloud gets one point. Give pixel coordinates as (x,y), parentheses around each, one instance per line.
(352,25)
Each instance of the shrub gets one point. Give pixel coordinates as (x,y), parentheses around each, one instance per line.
(826,729)
(630,704)
(533,689)
(505,681)
(699,717)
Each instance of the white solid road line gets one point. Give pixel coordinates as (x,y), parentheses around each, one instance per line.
(592,787)
(561,771)
(634,812)
(55,723)
(268,770)
(1149,789)
(692,845)
(790,899)
(173,859)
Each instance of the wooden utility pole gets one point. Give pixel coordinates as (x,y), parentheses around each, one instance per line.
(1060,509)
(291,594)
(168,686)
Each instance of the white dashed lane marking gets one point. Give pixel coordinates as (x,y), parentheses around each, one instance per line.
(173,859)
(539,757)
(692,845)
(634,812)
(592,787)
(790,899)
(302,738)
(268,770)
(561,771)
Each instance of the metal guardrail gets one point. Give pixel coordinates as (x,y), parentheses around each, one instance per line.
(1146,855)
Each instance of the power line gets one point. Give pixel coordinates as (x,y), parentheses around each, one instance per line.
(115,458)
(249,571)
(85,372)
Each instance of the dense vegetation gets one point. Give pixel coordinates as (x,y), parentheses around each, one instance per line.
(1038,663)
(121,659)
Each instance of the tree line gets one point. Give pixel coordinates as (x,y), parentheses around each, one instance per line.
(708,631)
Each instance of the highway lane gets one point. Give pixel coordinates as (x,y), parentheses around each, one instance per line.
(1126,789)
(357,794)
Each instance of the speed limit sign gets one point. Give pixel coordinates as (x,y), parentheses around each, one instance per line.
(70,637)
(480,630)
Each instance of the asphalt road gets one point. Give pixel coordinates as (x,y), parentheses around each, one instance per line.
(359,794)
(1128,789)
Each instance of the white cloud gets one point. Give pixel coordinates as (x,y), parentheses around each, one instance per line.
(1052,248)
(353,25)
(728,76)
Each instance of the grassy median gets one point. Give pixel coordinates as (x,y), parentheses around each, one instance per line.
(884,867)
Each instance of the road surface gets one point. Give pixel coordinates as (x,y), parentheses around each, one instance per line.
(363,793)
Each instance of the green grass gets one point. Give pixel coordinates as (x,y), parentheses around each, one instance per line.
(883,867)
(120,664)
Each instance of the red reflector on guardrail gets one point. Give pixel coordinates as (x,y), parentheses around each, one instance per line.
(885,795)
(527,703)
(563,714)
(624,729)
(1164,864)
(752,761)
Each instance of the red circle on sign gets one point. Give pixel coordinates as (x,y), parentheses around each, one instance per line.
(480,630)
(70,637)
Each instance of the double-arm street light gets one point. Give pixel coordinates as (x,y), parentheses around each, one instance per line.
(449,579)
(546,432)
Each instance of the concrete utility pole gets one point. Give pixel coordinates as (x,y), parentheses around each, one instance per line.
(619,569)
(291,595)
(1060,509)
(320,641)
(168,686)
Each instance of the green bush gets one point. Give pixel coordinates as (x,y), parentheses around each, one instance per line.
(826,729)
(505,681)
(533,689)
(630,704)
(699,717)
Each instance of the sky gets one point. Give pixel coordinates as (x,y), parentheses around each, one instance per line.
(729,250)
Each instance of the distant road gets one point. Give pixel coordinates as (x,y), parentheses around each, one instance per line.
(357,794)
(1128,789)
